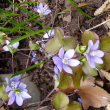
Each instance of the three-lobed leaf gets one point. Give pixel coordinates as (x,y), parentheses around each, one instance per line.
(89,35)
(60,100)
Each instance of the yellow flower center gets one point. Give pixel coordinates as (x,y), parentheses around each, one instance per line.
(92,53)
(17,93)
(65,61)
(12,84)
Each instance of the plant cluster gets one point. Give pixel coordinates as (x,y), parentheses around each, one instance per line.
(76,65)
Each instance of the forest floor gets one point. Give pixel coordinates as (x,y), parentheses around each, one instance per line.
(72,22)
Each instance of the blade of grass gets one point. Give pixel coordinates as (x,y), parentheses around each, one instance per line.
(9,29)
(10,14)
(28,35)
(27,69)
(79,9)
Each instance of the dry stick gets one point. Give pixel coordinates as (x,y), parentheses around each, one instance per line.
(13,6)
(45,98)
(98,25)
(12,64)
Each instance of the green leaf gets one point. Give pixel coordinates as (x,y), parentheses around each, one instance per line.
(59,33)
(3,95)
(105,43)
(77,75)
(79,9)
(69,43)
(52,46)
(27,69)
(88,70)
(60,100)
(73,106)
(65,81)
(88,35)
(107,61)
(33,46)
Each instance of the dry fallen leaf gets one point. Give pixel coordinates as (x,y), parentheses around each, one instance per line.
(99,82)
(93,96)
(108,107)
(105,74)
(88,81)
(67,18)
(103,8)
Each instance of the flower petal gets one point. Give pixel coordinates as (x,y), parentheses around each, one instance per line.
(90,43)
(15,45)
(57,61)
(7,42)
(25,95)
(47,12)
(16,78)
(8,88)
(11,100)
(90,61)
(67,69)
(7,80)
(56,70)
(96,45)
(98,60)
(73,62)
(51,32)
(61,53)
(5,48)
(11,94)
(99,53)
(45,7)
(46,36)
(22,86)
(69,53)
(19,100)
(40,6)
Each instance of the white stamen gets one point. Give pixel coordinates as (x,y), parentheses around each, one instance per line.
(92,53)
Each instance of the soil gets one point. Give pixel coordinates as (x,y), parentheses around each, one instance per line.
(43,76)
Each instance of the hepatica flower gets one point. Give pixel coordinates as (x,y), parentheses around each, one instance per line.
(17,90)
(18,94)
(42,9)
(13,46)
(56,71)
(64,60)
(12,83)
(49,34)
(93,54)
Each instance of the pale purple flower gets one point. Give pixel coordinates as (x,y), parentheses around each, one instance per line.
(56,71)
(42,9)
(64,60)
(12,83)
(93,54)
(13,46)
(18,95)
(33,57)
(49,34)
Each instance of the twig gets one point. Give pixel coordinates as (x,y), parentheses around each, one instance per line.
(13,6)
(12,64)
(45,98)
(98,25)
